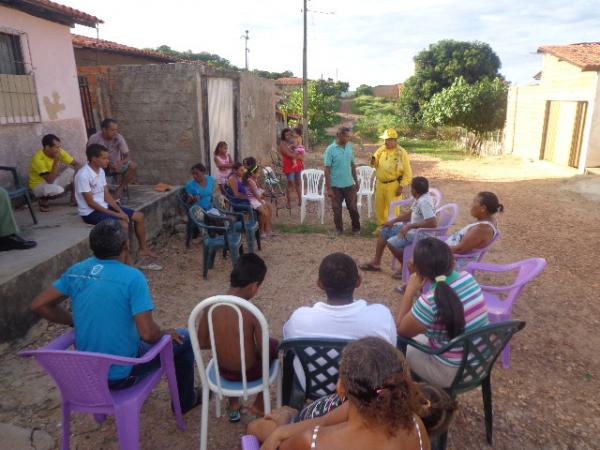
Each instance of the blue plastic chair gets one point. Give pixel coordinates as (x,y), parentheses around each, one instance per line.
(216,238)
(248,224)
(19,190)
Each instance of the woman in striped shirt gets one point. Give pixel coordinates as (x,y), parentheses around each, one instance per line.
(452,306)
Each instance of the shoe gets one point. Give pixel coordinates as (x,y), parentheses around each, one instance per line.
(14,242)
(233,415)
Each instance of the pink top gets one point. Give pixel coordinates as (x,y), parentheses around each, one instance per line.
(222,174)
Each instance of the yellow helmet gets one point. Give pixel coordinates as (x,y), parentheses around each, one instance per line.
(390,133)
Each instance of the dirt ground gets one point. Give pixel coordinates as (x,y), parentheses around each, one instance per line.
(548,399)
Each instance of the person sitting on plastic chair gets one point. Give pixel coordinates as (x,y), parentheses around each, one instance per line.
(112,313)
(245,280)
(398,233)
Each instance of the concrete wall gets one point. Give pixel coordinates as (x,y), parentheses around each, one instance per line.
(258,122)
(92,57)
(560,81)
(387,90)
(159,115)
(57,90)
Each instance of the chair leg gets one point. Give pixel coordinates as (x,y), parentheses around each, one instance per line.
(66,426)
(128,427)
(486,390)
(250,241)
(322,211)
(440,441)
(506,356)
(369,206)
(30,206)
(257,234)
(278,389)
(169,368)
(302,210)
(205,261)
(204,419)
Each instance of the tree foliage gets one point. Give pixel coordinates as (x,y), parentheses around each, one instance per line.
(440,64)
(217,62)
(363,89)
(323,105)
(479,107)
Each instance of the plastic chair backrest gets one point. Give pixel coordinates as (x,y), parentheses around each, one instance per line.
(320,361)
(481,348)
(80,376)
(366,179)
(447,215)
(237,304)
(313,182)
(528,270)
(436,197)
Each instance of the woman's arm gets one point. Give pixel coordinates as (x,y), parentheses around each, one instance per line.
(407,325)
(254,189)
(233,185)
(338,415)
(285,151)
(222,166)
(476,238)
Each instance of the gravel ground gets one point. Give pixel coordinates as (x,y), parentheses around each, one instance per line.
(548,399)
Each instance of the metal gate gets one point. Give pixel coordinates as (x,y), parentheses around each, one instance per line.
(87,106)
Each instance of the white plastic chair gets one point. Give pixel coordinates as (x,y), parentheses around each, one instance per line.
(209,374)
(366,180)
(313,190)
(436,196)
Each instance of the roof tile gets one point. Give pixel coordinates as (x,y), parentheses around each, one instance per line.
(585,55)
(101,44)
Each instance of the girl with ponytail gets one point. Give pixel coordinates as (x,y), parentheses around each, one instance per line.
(452,306)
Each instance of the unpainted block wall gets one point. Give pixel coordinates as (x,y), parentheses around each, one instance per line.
(159,115)
(258,121)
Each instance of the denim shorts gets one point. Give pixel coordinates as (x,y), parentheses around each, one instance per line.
(293,176)
(390,234)
(96,217)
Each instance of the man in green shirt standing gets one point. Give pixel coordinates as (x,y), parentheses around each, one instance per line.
(341,181)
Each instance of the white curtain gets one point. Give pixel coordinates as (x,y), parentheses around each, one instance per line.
(220,116)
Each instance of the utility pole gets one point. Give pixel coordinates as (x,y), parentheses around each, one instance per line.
(304,86)
(246,49)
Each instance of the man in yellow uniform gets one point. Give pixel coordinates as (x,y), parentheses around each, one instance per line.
(392,172)
(47,179)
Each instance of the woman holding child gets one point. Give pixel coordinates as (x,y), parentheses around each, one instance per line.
(292,156)
(381,407)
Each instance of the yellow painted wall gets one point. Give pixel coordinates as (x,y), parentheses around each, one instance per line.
(560,81)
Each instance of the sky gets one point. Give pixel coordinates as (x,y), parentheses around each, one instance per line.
(359,41)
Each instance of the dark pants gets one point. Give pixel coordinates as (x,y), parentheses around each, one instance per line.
(183,356)
(339,195)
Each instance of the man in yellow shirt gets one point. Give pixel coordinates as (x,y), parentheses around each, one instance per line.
(45,177)
(392,172)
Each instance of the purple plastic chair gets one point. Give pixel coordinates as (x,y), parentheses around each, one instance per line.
(436,196)
(82,380)
(500,299)
(476,255)
(250,442)
(446,217)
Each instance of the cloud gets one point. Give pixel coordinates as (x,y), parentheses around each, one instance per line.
(369,42)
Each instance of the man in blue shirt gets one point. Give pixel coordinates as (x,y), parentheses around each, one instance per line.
(112,312)
(341,181)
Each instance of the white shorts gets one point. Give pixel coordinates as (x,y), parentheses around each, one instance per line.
(428,367)
(57,187)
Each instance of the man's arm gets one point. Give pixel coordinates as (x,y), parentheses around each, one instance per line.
(353,169)
(427,223)
(328,181)
(149,330)
(53,174)
(111,202)
(89,199)
(47,305)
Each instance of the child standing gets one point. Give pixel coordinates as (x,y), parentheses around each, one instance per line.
(255,195)
(246,278)
(223,162)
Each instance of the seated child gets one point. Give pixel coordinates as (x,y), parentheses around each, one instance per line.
(246,278)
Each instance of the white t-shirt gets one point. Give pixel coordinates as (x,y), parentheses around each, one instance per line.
(352,321)
(86,180)
(422,209)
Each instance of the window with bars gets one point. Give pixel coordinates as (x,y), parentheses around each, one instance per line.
(18,97)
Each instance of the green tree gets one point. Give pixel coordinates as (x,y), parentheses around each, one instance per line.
(363,89)
(209,58)
(272,75)
(478,107)
(323,105)
(438,66)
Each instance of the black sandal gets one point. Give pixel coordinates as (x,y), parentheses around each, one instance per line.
(368,267)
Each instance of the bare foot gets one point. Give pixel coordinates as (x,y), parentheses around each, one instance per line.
(147,252)
(44,207)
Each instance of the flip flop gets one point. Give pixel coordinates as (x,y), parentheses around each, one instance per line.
(44,208)
(151,266)
(397,275)
(234,416)
(368,267)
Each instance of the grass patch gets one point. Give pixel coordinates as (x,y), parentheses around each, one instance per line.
(445,150)
(300,228)
(366,230)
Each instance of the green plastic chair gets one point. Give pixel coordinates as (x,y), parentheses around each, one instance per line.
(216,238)
(320,359)
(481,348)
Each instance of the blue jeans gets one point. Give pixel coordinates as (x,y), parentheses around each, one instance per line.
(183,356)
(390,234)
